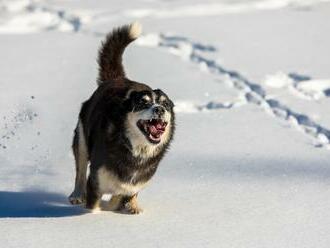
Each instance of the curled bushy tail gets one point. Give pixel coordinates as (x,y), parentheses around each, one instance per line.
(112,49)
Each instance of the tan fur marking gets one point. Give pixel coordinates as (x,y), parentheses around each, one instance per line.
(96,208)
(132,206)
(83,153)
(146,97)
(81,160)
(114,203)
(162,98)
(117,203)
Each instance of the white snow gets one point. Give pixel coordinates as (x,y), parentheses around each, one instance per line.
(316,88)
(211,9)
(24,16)
(301,86)
(249,166)
(278,80)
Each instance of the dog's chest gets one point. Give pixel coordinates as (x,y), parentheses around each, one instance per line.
(111,183)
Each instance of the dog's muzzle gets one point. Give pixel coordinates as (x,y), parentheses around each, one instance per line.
(153,129)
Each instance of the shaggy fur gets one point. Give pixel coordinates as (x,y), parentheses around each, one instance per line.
(123,131)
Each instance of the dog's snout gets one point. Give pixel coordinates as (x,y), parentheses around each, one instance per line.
(159,110)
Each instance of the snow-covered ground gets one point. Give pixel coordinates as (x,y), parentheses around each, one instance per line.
(249,166)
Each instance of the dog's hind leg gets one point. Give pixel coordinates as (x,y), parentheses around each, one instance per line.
(80,151)
(124,204)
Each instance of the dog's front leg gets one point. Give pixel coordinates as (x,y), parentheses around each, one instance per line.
(125,204)
(131,205)
(79,147)
(93,194)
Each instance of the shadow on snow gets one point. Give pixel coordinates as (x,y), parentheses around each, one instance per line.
(36,204)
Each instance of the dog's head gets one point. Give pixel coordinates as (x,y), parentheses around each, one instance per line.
(150,120)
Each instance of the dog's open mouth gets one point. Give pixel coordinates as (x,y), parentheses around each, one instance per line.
(152,129)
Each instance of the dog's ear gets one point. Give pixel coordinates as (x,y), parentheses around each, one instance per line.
(129,101)
(171,103)
(168,102)
(133,100)
(159,92)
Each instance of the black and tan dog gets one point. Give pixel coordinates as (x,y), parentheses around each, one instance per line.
(123,131)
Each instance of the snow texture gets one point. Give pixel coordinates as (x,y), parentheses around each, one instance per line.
(249,166)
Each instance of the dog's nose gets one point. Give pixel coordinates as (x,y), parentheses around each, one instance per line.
(159,110)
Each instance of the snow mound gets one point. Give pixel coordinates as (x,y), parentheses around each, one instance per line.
(317,88)
(278,80)
(27,16)
(301,86)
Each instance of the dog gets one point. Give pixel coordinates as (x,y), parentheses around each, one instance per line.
(123,132)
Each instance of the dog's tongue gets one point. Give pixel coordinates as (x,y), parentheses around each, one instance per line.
(159,126)
(157,129)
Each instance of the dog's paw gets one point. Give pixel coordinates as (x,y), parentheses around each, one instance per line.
(131,209)
(77,198)
(96,210)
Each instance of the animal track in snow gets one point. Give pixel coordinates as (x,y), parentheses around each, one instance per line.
(253,93)
(23,16)
(28,16)
(191,107)
(300,85)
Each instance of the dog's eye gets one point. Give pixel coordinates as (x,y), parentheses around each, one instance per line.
(143,101)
